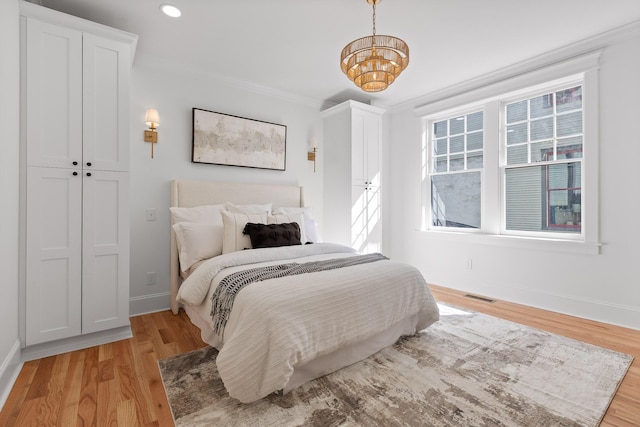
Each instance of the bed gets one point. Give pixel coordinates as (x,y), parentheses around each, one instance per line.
(316,307)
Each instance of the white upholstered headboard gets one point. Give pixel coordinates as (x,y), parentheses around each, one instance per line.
(188,194)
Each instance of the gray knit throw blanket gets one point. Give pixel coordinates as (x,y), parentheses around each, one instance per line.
(225,294)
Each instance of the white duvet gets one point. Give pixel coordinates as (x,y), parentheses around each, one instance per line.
(276,325)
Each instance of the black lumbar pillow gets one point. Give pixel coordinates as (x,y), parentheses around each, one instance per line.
(273,235)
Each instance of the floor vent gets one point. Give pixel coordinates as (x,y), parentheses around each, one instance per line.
(485,299)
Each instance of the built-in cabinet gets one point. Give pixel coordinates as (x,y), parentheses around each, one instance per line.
(75,136)
(352,140)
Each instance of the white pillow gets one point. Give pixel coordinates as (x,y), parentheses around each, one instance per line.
(206,213)
(311,231)
(248,209)
(284,219)
(233,239)
(309,223)
(306,211)
(197,241)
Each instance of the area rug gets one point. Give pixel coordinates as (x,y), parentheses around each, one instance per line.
(468,369)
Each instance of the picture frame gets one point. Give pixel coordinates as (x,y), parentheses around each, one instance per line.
(224,139)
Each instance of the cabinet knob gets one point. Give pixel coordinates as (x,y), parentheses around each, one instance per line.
(75,174)
(88,173)
(75,163)
(88,163)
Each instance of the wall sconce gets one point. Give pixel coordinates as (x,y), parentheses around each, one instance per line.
(311,156)
(152,119)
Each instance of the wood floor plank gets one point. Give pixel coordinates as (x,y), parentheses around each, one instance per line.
(88,404)
(119,384)
(68,414)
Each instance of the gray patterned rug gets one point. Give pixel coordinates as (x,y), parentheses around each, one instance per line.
(468,369)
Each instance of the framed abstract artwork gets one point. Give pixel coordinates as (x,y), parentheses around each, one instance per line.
(223,139)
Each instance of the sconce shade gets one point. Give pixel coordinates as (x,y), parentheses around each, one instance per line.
(152,119)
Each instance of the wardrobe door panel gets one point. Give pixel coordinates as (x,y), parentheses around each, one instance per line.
(54,254)
(53,95)
(105,278)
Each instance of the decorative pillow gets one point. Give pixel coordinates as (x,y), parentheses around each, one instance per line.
(197,241)
(273,235)
(248,209)
(206,213)
(233,239)
(284,219)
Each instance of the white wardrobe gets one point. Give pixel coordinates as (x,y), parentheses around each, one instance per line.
(75,180)
(352,143)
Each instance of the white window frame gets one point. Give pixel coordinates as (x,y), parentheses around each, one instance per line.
(429,167)
(492,98)
(567,83)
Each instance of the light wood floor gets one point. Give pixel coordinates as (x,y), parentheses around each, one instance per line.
(118,384)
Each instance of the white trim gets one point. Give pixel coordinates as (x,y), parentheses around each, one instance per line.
(153,62)
(9,370)
(537,77)
(572,305)
(598,41)
(39,351)
(521,242)
(350,105)
(149,303)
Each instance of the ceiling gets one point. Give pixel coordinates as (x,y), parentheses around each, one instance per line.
(293,46)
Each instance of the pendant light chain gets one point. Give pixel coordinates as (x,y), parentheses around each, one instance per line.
(374,19)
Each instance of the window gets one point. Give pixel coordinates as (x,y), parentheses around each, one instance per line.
(511,165)
(457,168)
(543,181)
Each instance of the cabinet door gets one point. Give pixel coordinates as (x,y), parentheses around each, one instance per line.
(373,137)
(54,95)
(366,227)
(359,135)
(53,251)
(105,278)
(366,130)
(105,103)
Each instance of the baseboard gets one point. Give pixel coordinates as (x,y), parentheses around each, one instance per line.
(592,309)
(75,343)
(572,305)
(9,371)
(149,303)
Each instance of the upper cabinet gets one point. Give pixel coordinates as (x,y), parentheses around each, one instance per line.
(366,134)
(77,97)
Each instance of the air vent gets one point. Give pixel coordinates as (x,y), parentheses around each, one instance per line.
(478,297)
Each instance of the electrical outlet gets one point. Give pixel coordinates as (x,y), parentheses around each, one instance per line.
(151,214)
(151,278)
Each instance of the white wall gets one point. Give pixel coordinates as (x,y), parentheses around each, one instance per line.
(174,90)
(9,161)
(602,287)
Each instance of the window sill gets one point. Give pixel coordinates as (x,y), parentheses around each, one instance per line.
(533,243)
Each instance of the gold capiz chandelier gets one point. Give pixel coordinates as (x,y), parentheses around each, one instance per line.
(374,62)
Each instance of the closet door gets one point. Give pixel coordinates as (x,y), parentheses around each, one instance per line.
(105,235)
(53,251)
(105,104)
(53,95)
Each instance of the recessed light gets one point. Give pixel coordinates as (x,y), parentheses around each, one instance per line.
(170,10)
